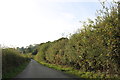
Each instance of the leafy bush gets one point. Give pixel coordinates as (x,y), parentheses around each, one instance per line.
(96,48)
(11,59)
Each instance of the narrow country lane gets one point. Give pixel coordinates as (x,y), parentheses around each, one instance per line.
(36,70)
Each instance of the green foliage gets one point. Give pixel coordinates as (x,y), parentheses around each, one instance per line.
(95,49)
(14,72)
(42,51)
(28,49)
(55,53)
(11,59)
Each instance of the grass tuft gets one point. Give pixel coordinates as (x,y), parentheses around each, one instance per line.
(15,71)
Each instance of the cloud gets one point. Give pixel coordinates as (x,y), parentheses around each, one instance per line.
(75,0)
(24,22)
(68,15)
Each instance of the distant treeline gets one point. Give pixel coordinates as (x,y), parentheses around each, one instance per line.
(96,48)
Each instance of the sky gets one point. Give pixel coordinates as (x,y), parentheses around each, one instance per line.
(25,22)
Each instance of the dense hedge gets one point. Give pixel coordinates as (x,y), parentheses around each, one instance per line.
(96,48)
(11,59)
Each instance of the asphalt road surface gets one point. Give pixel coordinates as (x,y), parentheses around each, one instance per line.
(36,70)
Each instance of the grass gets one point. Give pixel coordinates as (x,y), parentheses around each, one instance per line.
(57,67)
(15,71)
(78,73)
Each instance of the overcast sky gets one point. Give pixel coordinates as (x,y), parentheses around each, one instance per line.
(25,22)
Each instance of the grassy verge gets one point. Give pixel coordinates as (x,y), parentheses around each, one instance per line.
(78,73)
(15,71)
